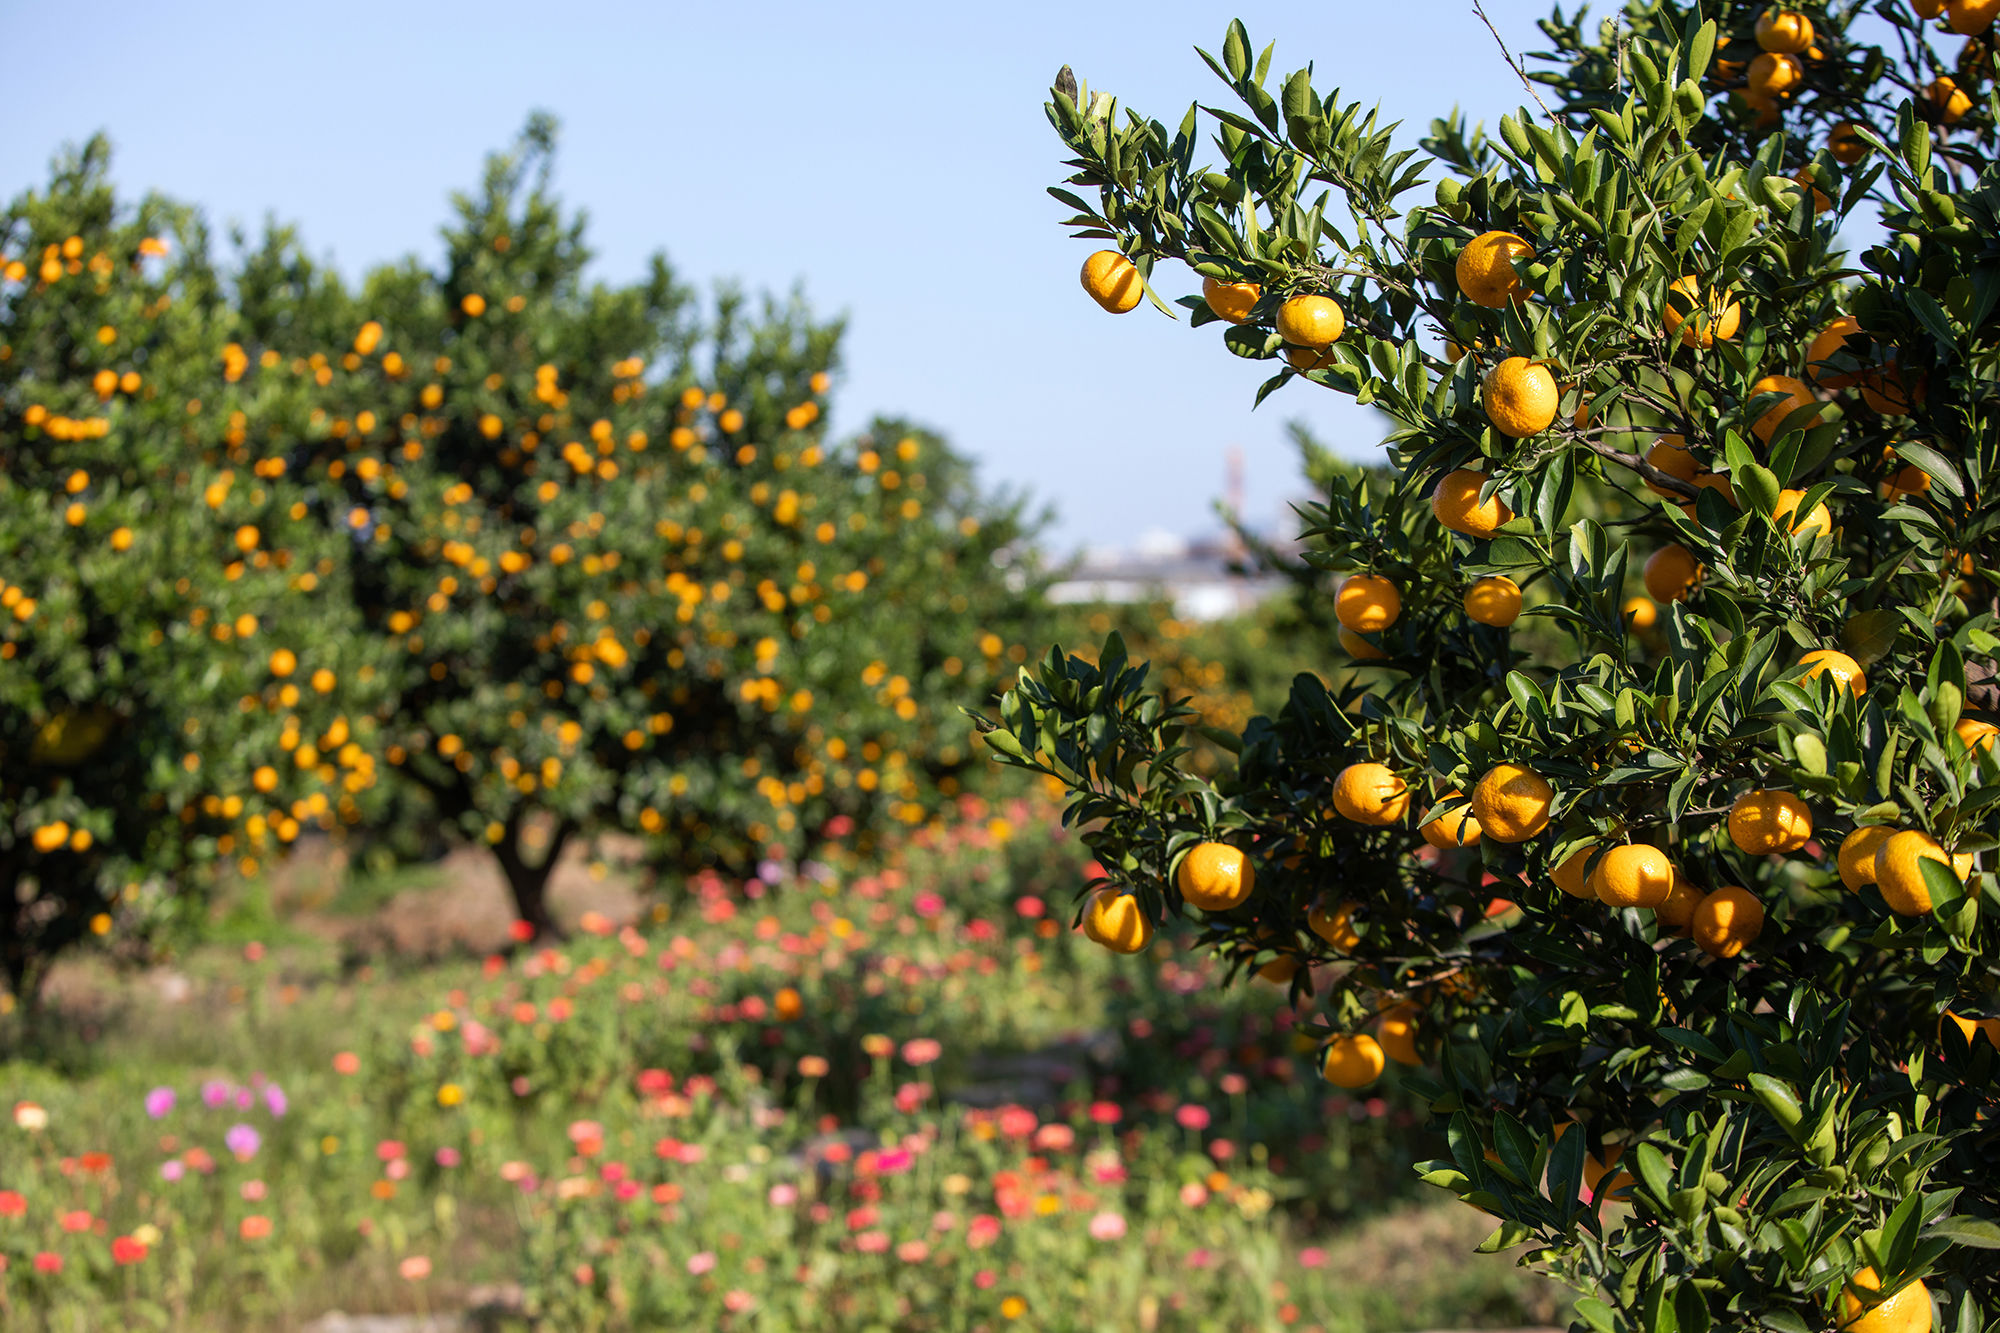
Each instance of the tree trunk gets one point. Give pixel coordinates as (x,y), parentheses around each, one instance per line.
(529,883)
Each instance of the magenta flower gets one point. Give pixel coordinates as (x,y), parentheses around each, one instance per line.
(448,1157)
(274,1100)
(214,1094)
(1193,1117)
(243,1141)
(172,1169)
(159,1101)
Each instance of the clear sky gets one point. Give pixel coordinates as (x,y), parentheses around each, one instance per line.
(892,158)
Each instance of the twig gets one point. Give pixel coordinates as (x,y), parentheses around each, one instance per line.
(1508,56)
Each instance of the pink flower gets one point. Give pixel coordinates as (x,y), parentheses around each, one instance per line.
(448,1157)
(1194,1194)
(1017,1122)
(1055,1138)
(783,1196)
(1105,1113)
(253,1190)
(738,1300)
(1200,1259)
(1222,1150)
(1193,1117)
(944,1220)
(46,1262)
(872,1242)
(388,1150)
(921,1051)
(913,1251)
(701,1263)
(928,905)
(1312,1257)
(415,1268)
(1029,906)
(983,1231)
(1234,1085)
(984,1279)
(1107,1226)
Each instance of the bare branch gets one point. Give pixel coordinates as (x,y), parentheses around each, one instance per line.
(1508,56)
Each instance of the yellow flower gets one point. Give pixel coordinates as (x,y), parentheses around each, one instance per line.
(450,1094)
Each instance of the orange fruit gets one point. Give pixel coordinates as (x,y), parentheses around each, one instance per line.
(1726,921)
(284,662)
(1512,803)
(1453,825)
(1520,397)
(1671,573)
(1856,860)
(1899,870)
(1485,268)
(1231,301)
(1948,100)
(1885,392)
(1114,920)
(1397,1034)
(1784,30)
(1676,910)
(1669,454)
(1311,321)
(1336,927)
(1762,822)
(1367,603)
(1975,1028)
(1303,359)
(1797,396)
(1845,144)
(1215,877)
(1113,281)
(1352,1061)
(1640,613)
(1720,318)
(1927,9)
(1974,734)
(1369,793)
(1832,662)
(1774,74)
(1907,1310)
(1634,875)
(1969,18)
(1494,600)
(1573,876)
(1455,501)
(1710,481)
(1359,648)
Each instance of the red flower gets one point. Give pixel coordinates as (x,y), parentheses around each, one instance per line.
(127,1250)
(76,1220)
(520,931)
(12,1204)
(95,1162)
(46,1262)
(254,1227)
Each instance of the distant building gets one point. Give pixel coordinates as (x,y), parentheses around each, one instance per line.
(1196,577)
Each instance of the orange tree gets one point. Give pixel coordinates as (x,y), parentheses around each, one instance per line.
(1685,922)
(180,684)
(628,581)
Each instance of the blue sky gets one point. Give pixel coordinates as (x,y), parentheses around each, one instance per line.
(892,158)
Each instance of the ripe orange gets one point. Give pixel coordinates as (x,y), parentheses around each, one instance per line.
(1455,501)
(1899,870)
(1640,613)
(1927,9)
(1231,301)
(1520,397)
(1215,877)
(1303,359)
(1113,281)
(1634,875)
(1574,875)
(1710,481)
(1975,1028)
(1369,793)
(1845,144)
(1485,268)
(1719,316)
(1671,573)
(1311,321)
(1784,30)
(1352,1061)
(1908,1310)
(1774,74)
(1367,603)
(1844,334)
(1857,855)
(1494,600)
(284,662)
(1454,824)
(1974,734)
(1359,648)
(1726,921)
(1670,455)
(1114,920)
(1512,803)
(1336,927)
(1969,18)
(1676,911)
(1885,392)
(1832,662)
(1762,822)
(1398,1034)
(1796,396)
(1948,100)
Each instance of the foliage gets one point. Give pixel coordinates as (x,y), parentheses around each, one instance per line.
(1796,1105)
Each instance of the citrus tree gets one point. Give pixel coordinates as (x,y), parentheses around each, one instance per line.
(181,688)
(627,580)
(1680,911)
